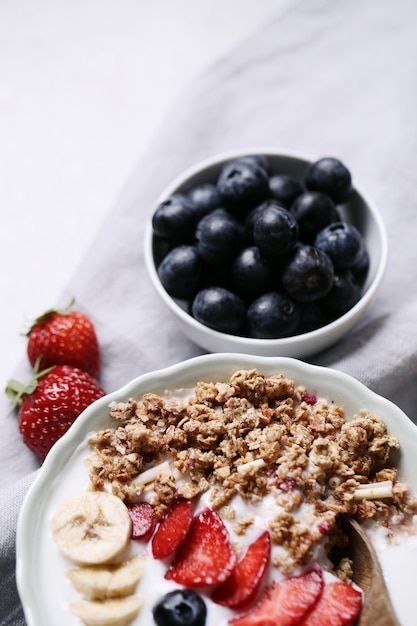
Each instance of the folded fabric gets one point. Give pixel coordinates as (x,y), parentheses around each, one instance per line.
(326,78)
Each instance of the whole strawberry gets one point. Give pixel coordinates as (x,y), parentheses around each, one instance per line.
(64,337)
(51,403)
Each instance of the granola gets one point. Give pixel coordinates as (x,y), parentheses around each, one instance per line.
(252,437)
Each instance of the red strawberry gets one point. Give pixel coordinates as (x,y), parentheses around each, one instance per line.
(284,602)
(64,337)
(143,519)
(244,582)
(172,530)
(338,604)
(205,557)
(51,403)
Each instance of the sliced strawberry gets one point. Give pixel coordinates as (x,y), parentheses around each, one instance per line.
(244,582)
(284,602)
(143,519)
(172,530)
(338,604)
(205,557)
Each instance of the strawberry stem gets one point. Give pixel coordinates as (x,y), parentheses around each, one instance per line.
(45,316)
(17,391)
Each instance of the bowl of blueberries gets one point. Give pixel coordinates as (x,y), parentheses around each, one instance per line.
(266,252)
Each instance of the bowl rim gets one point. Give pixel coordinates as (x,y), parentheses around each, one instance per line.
(238,340)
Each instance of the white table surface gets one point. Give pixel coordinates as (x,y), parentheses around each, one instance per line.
(84,86)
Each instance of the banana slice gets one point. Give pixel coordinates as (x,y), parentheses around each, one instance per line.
(116,612)
(99,582)
(92,528)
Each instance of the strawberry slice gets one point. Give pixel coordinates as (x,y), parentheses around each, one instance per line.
(244,582)
(172,530)
(205,557)
(143,519)
(284,602)
(338,604)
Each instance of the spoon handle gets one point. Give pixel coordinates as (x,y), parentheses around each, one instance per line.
(377,608)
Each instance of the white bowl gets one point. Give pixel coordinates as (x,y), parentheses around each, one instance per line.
(360,211)
(42,583)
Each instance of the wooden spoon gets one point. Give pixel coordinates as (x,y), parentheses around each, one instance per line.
(377,608)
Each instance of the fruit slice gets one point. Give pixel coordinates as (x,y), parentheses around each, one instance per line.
(172,530)
(143,519)
(205,557)
(91,528)
(243,583)
(116,612)
(100,582)
(284,602)
(338,604)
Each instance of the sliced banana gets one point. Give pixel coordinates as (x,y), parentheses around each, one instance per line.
(99,582)
(92,528)
(116,612)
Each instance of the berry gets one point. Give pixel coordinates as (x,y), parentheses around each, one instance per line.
(275,230)
(343,295)
(273,315)
(219,309)
(313,211)
(260,160)
(175,219)
(219,237)
(251,275)
(360,268)
(342,242)
(285,602)
(205,557)
(285,188)
(204,198)
(242,185)
(308,276)
(339,603)
(181,607)
(180,271)
(244,582)
(51,403)
(64,337)
(329,176)
(143,519)
(172,529)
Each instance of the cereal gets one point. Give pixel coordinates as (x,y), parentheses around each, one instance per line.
(256,436)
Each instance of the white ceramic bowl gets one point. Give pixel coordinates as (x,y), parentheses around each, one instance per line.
(360,211)
(42,584)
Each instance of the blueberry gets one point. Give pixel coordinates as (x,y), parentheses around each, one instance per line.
(275,230)
(180,272)
(344,294)
(360,269)
(308,276)
(219,309)
(312,316)
(174,219)
(313,211)
(285,188)
(219,237)
(342,242)
(181,607)
(251,275)
(204,198)
(330,176)
(273,315)
(242,186)
(260,160)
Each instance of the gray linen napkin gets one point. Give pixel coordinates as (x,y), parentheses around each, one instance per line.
(328,77)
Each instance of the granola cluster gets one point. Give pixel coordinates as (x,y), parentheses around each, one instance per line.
(254,435)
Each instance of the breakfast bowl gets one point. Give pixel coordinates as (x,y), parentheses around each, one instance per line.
(44,573)
(307,323)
